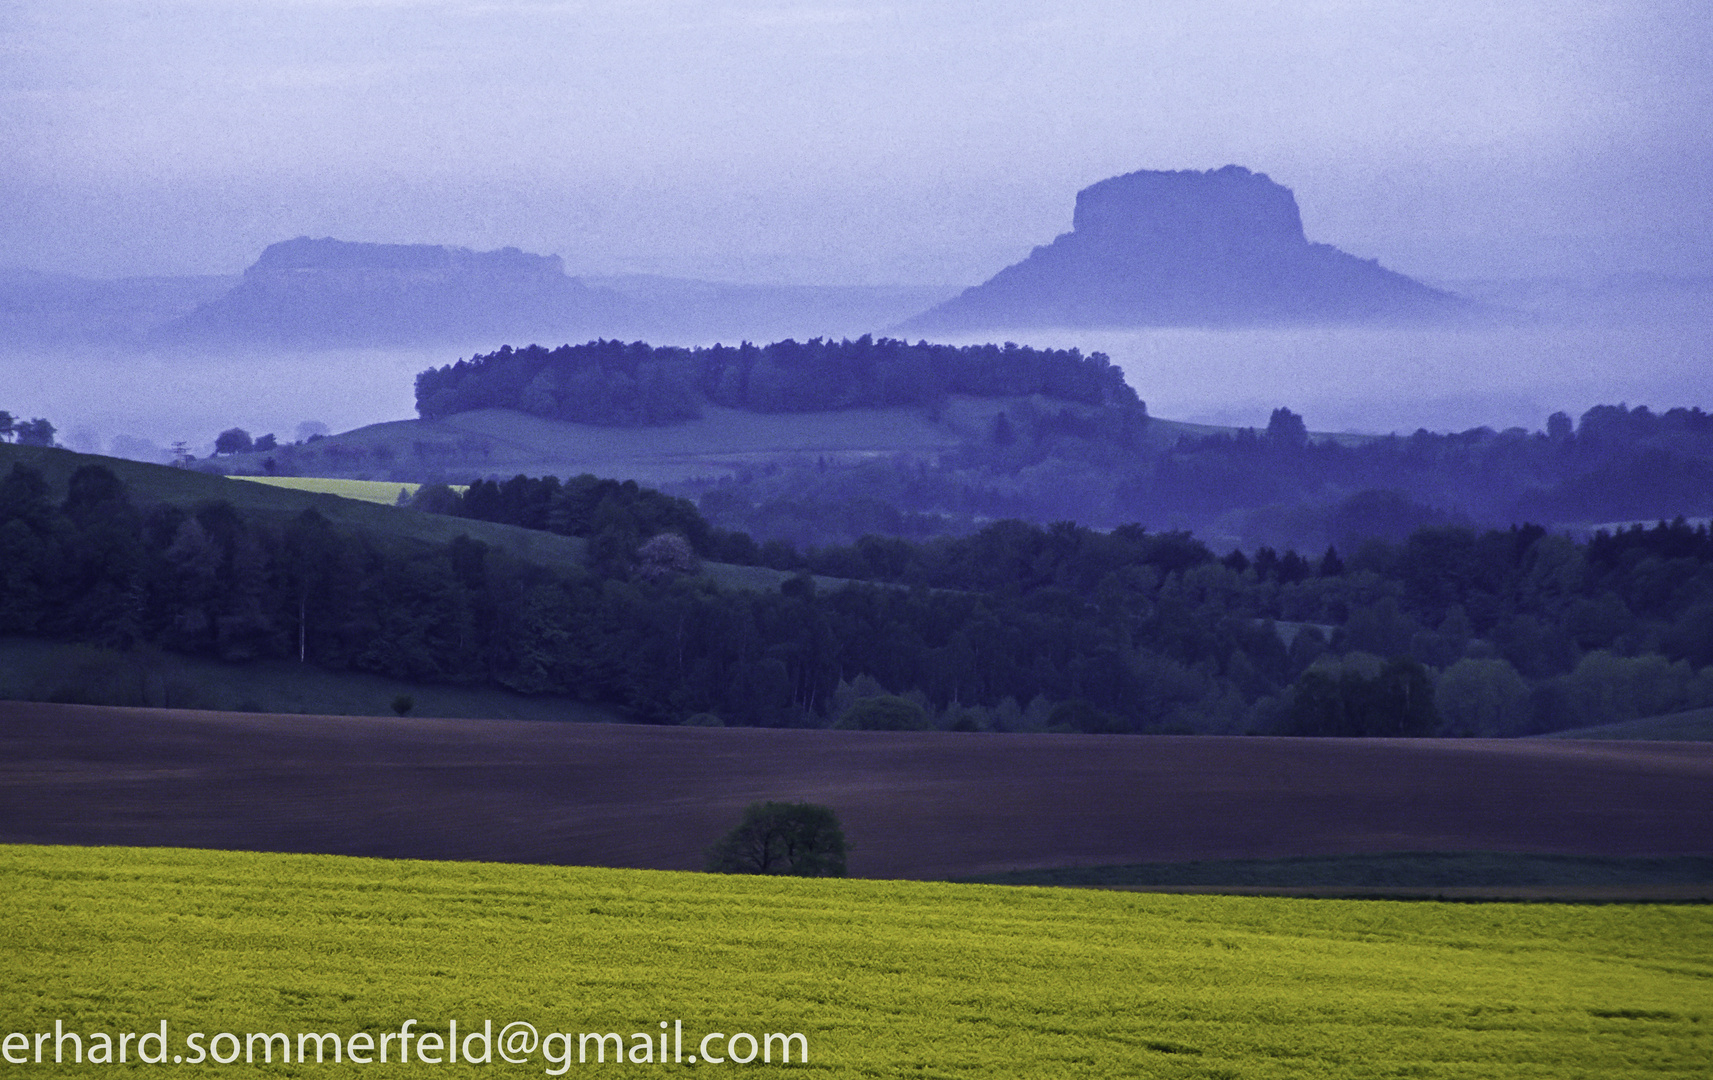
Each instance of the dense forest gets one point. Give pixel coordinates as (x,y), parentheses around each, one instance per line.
(611,382)
(1449,631)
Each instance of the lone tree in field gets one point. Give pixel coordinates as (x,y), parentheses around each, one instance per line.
(232,441)
(800,839)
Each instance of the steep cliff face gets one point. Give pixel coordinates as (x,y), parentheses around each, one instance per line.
(1224,247)
(334,258)
(331,292)
(1225,211)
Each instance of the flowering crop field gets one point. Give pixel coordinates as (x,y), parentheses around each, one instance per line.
(375,491)
(881,979)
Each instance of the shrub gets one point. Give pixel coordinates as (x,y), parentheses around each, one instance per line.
(800,839)
(1078,715)
(884,713)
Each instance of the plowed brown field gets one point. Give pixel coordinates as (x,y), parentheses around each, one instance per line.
(914,805)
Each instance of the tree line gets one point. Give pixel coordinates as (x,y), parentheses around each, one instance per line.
(612,382)
(1615,464)
(1272,486)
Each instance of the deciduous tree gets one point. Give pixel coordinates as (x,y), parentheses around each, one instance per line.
(800,839)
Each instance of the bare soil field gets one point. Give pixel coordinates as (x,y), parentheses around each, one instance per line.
(914,805)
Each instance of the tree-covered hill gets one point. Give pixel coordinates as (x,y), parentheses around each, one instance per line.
(611,382)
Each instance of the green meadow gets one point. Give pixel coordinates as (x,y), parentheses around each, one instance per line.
(883,979)
(376,491)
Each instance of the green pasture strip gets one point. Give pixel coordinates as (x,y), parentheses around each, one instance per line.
(1696,725)
(373,491)
(385,492)
(885,979)
(1393,870)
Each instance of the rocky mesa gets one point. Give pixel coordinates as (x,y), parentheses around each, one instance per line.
(1185,248)
(312,292)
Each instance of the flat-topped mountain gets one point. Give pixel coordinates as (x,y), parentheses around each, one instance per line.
(334,292)
(1218,248)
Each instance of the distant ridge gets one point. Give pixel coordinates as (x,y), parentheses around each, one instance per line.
(1218,248)
(335,292)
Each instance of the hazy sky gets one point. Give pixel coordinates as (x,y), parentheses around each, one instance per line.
(845,142)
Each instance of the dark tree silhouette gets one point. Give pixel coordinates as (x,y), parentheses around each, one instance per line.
(233,441)
(37,432)
(1287,428)
(799,839)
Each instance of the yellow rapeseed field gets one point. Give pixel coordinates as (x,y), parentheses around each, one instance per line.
(880,979)
(375,491)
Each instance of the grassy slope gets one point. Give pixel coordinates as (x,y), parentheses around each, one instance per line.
(885,979)
(720,442)
(1696,725)
(1465,873)
(384,492)
(185,487)
(161,484)
(363,511)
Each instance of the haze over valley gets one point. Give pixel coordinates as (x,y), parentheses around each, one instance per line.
(1639,348)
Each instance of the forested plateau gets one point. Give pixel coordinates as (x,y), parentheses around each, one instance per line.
(611,382)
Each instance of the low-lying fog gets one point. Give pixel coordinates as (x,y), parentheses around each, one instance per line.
(1381,380)
(1339,379)
(113,401)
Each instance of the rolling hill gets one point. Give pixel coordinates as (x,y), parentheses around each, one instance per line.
(721,442)
(188,487)
(794,977)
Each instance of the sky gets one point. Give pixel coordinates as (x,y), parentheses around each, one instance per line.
(846,141)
